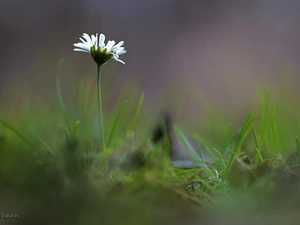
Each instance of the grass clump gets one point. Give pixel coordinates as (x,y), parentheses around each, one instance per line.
(53,170)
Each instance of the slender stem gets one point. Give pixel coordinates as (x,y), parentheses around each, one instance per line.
(99,95)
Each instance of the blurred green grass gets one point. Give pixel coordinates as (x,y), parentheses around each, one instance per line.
(45,177)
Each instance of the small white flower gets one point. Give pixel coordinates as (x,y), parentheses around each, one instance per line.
(100,52)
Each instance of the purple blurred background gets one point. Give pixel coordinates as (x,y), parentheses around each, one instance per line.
(224,49)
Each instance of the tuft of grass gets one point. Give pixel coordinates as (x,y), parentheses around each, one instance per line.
(60,174)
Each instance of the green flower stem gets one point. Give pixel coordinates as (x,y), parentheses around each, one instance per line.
(99,96)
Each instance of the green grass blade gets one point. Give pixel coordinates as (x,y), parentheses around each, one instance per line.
(66,133)
(137,112)
(202,143)
(257,148)
(75,129)
(264,102)
(240,141)
(186,143)
(255,138)
(47,146)
(59,96)
(115,126)
(273,130)
(221,157)
(18,133)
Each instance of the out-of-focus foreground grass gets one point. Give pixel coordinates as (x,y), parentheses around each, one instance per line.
(49,175)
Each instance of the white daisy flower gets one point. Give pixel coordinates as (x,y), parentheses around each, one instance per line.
(100,52)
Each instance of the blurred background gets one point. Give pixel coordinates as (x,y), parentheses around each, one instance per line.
(224,50)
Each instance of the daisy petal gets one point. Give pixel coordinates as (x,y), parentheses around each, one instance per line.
(87,38)
(101,38)
(80,50)
(83,46)
(82,40)
(109,45)
(119,60)
(119,44)
(120,52)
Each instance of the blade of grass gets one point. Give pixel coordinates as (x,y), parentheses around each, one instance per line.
(59,96)
(137,112)
(207,185)
(201,140)
(165,133)
(196,159)
(47,146)
(240,141)
(66,133)
(115,126)
(257,148)
(75,129)
(264,119)
(186,143)
(273,130)
(18,133)
(221,157)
